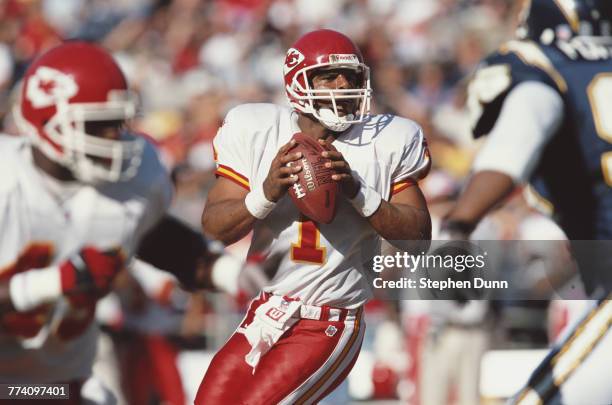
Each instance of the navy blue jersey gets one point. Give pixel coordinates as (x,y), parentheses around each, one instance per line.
(575,170)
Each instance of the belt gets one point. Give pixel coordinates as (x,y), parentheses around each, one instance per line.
(317,313)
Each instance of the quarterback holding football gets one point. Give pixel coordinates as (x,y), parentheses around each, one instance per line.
(352,178)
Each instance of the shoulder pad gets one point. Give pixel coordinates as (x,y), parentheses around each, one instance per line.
(532,56)
(151,180)
(401,130)
(384,129)
(514,63)
(254,115)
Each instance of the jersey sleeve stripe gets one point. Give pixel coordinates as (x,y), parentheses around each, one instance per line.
(230,174)
(401,185)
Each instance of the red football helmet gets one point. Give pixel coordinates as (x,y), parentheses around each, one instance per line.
(66,87)
(326,49)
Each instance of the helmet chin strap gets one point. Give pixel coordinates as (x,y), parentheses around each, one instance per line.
(332,121)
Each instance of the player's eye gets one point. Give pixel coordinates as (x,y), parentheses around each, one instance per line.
(327,77)
(324,78)
(350,76)
(104,129)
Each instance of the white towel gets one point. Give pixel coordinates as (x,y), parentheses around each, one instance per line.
(272,319)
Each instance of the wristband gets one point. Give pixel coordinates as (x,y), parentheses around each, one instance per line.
(33,288)
(367,200)
(258,205)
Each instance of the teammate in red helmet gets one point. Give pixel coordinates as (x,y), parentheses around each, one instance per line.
(77,192)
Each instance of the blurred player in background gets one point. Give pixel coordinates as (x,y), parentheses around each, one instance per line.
(301,337)
(85,196)
(78,192)
(544,101)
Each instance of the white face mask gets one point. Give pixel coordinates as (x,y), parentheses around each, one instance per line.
(329,116)
(333,121)
(90,158)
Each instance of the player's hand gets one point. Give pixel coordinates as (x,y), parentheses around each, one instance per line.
(90,270)
(344,176)
(455,230)
(281,177)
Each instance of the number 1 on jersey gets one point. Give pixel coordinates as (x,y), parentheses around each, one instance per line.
(307,249)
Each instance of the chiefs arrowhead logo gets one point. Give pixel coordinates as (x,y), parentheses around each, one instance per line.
(294,58)
(47,87)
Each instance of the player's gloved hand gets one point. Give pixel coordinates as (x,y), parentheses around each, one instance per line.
(90,270)
(280,176)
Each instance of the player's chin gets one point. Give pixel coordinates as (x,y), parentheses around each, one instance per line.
(342,113)
(342,109)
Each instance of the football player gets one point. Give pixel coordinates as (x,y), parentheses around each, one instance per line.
(301,337)
(544,100)
(77,192)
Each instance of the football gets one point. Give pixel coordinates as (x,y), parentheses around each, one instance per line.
(314,193)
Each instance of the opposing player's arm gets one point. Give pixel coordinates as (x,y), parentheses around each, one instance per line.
(530,116)
(485,190)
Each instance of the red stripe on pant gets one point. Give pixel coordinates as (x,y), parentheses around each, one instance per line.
(341,378)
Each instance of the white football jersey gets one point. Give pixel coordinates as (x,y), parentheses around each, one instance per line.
(317,263)
(41,225)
